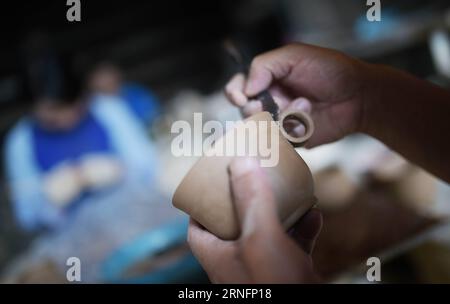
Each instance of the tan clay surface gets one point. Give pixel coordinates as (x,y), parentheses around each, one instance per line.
(205,195)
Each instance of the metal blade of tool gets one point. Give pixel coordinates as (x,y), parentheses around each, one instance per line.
(243,63)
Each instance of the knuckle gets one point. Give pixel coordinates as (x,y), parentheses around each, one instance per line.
(257,61)
(230,84)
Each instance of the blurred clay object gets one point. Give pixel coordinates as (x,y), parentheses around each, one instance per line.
(417,189)
(333,188)
(45,272)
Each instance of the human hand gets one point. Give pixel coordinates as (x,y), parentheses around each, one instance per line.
(264,252)
(325,83)
(100,171)
(62,184)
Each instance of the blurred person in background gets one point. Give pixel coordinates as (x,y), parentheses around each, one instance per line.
(106,78)
(71,147)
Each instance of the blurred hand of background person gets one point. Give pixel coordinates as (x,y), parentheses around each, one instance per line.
(62,185)
(67,181)
(99,171)
(264,253)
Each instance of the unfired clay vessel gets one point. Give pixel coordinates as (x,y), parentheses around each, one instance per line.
(205,195)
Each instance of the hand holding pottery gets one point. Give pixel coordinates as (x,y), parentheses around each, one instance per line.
(205,195)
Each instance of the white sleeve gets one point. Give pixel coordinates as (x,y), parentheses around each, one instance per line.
(127,136)
(25,180)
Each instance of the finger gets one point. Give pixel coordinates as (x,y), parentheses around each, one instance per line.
(201,241)
(255,106)
(252,107)
(282,99)
(325,130)
(300,104)
(208,249)
(293,126)
(264,69)
(307,229)
(253,197)
(234,90)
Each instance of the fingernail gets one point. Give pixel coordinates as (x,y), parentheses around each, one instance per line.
(239,98)
(255,105)
(250,88)
(252,107)
(243,165)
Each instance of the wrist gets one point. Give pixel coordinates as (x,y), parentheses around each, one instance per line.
(382,98)
(371,97)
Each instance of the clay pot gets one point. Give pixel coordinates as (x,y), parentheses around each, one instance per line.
(205,195)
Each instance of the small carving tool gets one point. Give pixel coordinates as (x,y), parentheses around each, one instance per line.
(267,101)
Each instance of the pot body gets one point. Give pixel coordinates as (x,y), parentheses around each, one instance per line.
(205,194)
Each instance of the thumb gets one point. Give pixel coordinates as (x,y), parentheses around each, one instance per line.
(264,70)
(259,79)
(253,197)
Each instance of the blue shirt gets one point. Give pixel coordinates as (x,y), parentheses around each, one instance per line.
(141,102)
(54,147)
(30,152)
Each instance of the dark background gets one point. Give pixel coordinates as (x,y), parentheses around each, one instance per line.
(167,45)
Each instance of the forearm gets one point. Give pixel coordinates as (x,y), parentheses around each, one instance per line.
(409,115)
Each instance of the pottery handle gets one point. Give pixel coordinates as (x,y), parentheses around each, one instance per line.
(304,119)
